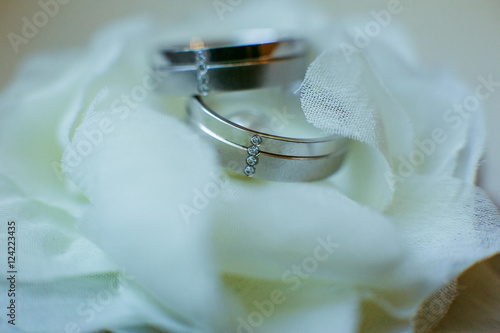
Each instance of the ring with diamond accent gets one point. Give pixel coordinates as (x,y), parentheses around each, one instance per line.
(253,59)
(265,156)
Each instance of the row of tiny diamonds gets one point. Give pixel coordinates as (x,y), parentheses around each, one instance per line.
(203,79)
(202,72)
(253,155)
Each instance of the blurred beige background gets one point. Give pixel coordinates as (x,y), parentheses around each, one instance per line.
(461,34)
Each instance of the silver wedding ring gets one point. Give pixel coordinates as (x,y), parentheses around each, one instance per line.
(253,59)
(265,156)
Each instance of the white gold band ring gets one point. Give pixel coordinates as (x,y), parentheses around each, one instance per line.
(238,64)
(266,156)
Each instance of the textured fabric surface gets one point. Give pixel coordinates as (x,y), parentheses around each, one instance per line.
(126,223)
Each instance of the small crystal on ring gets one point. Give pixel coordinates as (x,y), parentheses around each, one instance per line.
(249,171)
(203,89)
(202,77)
(256,140)
(200,55)
(253,150)
(202,67)
(252,160)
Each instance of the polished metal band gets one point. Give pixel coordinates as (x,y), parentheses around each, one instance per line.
(239,64)
(236,50)
(266,156)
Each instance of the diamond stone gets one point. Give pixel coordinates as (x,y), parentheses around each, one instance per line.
(200,55)
(203,89)
(249,171)
(202,67)
(256,140)
(203,77)
(253,150)
(252,160)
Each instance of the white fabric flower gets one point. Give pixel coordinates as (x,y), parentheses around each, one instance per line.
(125,221)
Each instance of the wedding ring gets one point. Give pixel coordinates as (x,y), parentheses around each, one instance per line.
(254,59)
(266,156)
